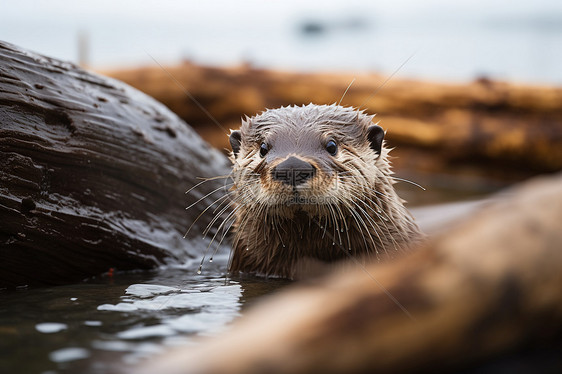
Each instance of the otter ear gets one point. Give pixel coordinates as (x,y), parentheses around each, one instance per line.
(375,135)
(235,140)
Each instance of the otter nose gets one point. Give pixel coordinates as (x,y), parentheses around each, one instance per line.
(293,171)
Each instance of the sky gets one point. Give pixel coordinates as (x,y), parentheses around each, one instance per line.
(513,40)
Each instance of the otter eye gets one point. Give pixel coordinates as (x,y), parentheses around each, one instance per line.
(264,148)
(332,147)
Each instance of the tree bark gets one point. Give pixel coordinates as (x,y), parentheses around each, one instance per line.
(93,174)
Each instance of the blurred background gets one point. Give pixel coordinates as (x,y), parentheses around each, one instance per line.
(473,102)
(452,41)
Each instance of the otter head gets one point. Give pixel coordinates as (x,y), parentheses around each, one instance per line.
(307,158)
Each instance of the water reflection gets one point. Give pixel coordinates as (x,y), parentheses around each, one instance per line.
(103,324)
(209,305)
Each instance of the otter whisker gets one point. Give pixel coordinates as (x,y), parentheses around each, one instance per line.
(375,227)
(278,227)
(250,213)
(408,181)
(221,226)
(383,216)
(344,220)
(338,209)
(230,192)
(226,231)
(359,223)
(217,217)
(225,196)
(360,194)
(223,202)
(386,196)
(335,224)
(378,230)
(345,92)
(325,226)
(204,180)
(204,197)
(386,81)
(200,268)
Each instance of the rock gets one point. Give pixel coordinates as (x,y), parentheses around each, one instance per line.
(93,174)
(484,296)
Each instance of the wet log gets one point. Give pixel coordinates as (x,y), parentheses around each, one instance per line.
(93,174)
(482,297)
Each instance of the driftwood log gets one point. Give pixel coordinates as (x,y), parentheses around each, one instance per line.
(485,296)
(92,174)
(502,130)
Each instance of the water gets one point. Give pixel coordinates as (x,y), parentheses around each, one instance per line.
(109,323)
(510,40)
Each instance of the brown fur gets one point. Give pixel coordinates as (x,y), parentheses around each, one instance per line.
(349,208)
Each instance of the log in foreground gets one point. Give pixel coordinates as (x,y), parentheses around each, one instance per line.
(487,292)
(93,174)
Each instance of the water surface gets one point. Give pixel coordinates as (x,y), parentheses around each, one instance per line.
(111,322)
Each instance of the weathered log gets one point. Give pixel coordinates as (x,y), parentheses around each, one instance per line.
(515,129)
(92,174)
(487,292)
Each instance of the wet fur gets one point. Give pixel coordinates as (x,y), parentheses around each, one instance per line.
(354,209)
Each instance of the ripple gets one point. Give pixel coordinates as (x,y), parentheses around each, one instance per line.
(148,290)
(50,327)
(147,332)
(69,354)
(113,345)
(200,309)
(93,323)
(222,296)
(121,307)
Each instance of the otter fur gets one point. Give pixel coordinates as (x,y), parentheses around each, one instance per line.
(313,182)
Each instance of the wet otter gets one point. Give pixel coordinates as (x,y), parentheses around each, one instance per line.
(313,182)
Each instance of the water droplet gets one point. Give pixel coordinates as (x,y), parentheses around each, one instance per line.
(333,243)
(211,259)
(247,248)
(199,269)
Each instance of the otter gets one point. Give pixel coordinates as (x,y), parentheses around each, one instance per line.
(313,182)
